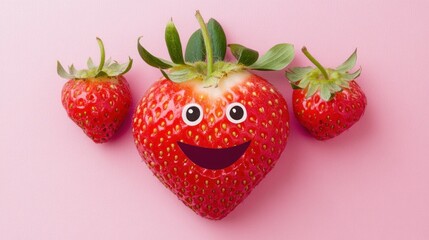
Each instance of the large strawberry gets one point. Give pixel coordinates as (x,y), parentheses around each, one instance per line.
(210,130)
(327,101)
(97,99)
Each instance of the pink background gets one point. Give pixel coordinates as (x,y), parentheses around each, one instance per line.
(372,182)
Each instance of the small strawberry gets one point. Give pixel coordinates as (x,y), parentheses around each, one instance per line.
(210,130)
(97,99)
(327,101)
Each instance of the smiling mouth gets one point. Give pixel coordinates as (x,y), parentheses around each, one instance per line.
(213,158)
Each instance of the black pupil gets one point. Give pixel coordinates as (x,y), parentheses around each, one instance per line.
(192,114)
(236,113)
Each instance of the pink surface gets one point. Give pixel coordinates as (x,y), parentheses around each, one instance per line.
(372,182)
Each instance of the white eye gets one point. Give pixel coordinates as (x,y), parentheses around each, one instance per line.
(192,114)
(236,112)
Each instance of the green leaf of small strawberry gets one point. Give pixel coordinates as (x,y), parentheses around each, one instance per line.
(327,81)
(333,87)
(108,62)
(351,76)
(62,72)
(349,63)
(298,73)
(90,64)
(325,94)
(174,45)
(277,58)
(245,56)
(104,69)
(72,70)
(115,68)
(311,90)
(304,82)
(126,67)
(195,49)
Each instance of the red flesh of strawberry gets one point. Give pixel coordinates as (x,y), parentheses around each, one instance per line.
(97,105)
(327,119)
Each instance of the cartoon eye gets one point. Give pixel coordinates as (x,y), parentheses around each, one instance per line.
(192,114)
(236,112)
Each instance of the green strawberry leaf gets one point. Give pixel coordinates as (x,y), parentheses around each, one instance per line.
(326,81)
(62,72)
(226,67)
(277,58)
(343,84)
(195,49)
(311,89)
(126,67)
(218,39)
(245,56)
(304,83)
(151,59)
(164,74)
(352,76)
(181,73)
(72,70)
(349,63)
(333,88)
(298,73)
(108,62)
(105,69)
(116,69)
(325,94)
(90,63)
(174,45)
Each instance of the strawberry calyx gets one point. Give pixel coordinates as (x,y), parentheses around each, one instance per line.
(326,81)
(205,55)
(104,70)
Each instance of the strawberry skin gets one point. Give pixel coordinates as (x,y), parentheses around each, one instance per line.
(327,119)
(327,101)
(170,146)
(97,99)
(97,105)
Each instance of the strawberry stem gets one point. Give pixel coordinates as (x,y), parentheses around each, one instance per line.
(315,62)
(207,42)
(102,53)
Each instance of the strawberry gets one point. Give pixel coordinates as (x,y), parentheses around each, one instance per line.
(327,101)
(97,99)
(210,130)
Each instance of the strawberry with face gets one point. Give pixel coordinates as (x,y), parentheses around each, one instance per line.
(210,130)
